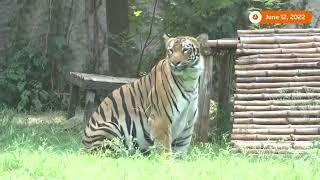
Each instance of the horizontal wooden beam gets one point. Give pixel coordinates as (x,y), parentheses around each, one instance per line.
(223,43)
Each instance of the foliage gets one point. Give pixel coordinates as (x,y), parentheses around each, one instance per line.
(258,5)
(220,19)
(23,78)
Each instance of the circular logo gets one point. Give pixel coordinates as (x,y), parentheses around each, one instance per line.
(255,17)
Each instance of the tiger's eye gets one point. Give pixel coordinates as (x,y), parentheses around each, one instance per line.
(186,50)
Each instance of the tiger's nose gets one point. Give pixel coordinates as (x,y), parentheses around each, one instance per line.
(176,63)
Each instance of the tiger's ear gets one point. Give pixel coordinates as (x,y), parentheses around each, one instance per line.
(166,38)
(202,39)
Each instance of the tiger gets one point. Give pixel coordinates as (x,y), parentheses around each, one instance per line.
(158,110)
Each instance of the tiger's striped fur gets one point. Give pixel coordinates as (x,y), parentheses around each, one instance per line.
(159,109)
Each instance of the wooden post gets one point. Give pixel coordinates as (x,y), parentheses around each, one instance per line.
(224,123)
(201,127)
(89,105)
(74,99)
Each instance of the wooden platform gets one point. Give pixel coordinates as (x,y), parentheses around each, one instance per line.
(91,83)
(276,104)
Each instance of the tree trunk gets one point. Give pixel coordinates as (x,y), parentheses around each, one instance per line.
(118,22)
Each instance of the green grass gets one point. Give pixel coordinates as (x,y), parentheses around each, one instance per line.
(36,147)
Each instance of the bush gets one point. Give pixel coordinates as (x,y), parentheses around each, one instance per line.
(24,78)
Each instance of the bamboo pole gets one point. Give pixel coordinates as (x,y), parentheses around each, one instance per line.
(276,46)
(278,50)
(296,72)
(282,113)
(279,39)
(277,96)
(278,34)
(290,55)
(275,137)
(259,126)
(275,60)
(274,108)
(277,66)
(278,102)
(272,144)
(276,85)
(275,30)
(302,89)
(272,121)
(277,79)
(279,131)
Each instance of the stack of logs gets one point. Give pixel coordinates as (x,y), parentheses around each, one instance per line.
(277,100)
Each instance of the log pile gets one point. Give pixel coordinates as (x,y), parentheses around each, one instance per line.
(277,99)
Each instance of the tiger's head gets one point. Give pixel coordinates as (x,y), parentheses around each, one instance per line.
(183,54)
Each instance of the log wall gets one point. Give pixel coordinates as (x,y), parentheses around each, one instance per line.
(277,99)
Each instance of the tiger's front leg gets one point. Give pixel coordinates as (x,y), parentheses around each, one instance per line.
(160,131)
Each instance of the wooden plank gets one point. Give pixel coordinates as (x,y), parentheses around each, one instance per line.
(278,102)
(260,137)
(267,73)
(277,120)
(274,55)
(301,89)
(94,81)
(271,66)
(277,79)
(275,96)
(275,60)
(259,126)
(283,113)
(275,30)
(277,85)
(275,108)
(273,144)
(278,131)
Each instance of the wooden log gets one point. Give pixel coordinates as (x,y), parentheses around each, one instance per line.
(283,113)
(259,126)
(271,121)
(278,50)
(273,144)
(278,102)
(275,60)
(276,85)
(279,131)
(290,137)
(270,66)
(269,151)
(290,55)
(277,79)
(266,73)
(274,108)
(223,43)
(278,34)
(275,46)
(279,39)
(273,31)
(303,89)
(277,96)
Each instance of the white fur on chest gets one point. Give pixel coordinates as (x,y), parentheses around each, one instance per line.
(185,117)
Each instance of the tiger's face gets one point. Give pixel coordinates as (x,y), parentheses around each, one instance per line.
(183,53)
